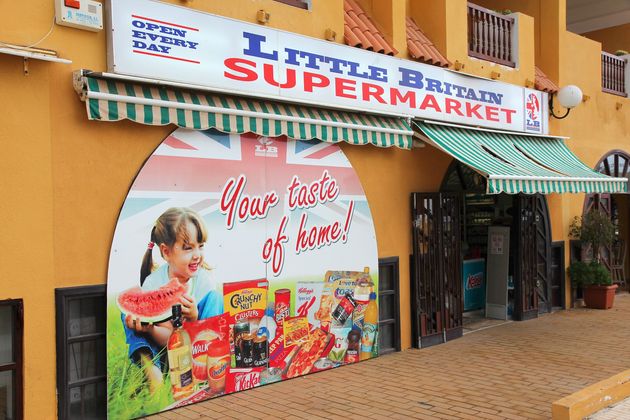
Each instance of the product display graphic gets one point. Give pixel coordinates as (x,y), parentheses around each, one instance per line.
(261,266)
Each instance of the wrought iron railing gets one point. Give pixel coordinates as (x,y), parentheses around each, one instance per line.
(490,35)
(614,74)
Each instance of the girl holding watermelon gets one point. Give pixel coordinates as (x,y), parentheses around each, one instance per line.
(180,235)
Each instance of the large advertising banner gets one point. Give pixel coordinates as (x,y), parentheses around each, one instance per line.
(237,261)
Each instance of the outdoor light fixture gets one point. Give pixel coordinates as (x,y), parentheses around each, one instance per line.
(569,97)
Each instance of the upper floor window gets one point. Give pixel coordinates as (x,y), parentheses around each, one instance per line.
(491,35)
(302,4)
(11,336)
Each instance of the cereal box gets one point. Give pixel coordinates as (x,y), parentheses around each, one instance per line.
(308,299)
(245,302)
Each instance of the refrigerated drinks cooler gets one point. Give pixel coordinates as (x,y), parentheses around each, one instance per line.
(474,284)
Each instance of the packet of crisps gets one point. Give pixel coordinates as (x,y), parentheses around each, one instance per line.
(296,330)
(338,352)
(204,333)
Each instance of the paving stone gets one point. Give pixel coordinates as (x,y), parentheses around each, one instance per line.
(512,371)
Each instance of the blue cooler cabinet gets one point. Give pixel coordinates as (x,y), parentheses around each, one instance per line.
(474,284)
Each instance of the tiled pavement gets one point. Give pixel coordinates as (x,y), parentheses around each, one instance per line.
(619,411)
(512,371)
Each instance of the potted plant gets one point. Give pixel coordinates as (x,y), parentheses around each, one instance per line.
(596,230)
(596,283)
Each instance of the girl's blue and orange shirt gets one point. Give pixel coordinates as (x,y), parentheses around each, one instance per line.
(202,287)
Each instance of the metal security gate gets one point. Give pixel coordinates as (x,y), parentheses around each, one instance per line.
(543,256)
(437,299)
(532,250)
(524,250)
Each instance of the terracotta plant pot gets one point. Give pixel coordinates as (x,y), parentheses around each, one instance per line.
(599,297)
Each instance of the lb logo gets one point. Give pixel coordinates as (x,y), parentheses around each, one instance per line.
(532,110)
(532,106)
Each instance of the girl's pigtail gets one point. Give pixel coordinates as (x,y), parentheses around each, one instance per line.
(147,260)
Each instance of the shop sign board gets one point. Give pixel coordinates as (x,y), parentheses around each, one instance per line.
(269,246)
(155,40)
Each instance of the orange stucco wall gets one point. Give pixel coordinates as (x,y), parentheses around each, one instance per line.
(388,177)
(65,178)
(612,39)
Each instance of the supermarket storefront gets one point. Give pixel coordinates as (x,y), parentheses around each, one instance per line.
(287,281)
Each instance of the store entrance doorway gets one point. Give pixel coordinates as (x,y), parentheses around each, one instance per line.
(452,247)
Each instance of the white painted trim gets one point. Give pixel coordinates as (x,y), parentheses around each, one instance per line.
(34,55)
(516,53)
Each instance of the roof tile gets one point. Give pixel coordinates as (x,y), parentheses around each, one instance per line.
(421,48)
(361,32)
(542,82)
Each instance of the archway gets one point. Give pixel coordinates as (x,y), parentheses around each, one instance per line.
(617,206)
(531,243)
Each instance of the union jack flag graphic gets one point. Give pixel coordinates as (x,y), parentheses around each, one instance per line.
(193,166)
(191,169)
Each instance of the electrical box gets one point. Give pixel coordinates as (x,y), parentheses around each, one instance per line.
(80,14)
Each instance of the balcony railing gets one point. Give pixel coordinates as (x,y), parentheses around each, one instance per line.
(490,35)
(614,74)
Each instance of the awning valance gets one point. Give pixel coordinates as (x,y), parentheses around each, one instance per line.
(515,163)
(110,99)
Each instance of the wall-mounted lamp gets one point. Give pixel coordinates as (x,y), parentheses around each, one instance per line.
(569,97)
(494,75)
(262,16)
(457,65)
(330,35)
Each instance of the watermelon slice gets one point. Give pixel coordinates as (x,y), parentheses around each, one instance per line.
(152,305)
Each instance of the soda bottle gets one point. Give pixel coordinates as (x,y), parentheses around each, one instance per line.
(370,323)
(179,353)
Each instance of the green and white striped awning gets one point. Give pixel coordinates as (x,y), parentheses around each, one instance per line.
(114,99)
(515,163)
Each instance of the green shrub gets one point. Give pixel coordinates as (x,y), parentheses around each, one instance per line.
(587,274)
(579,272)
(599,275)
